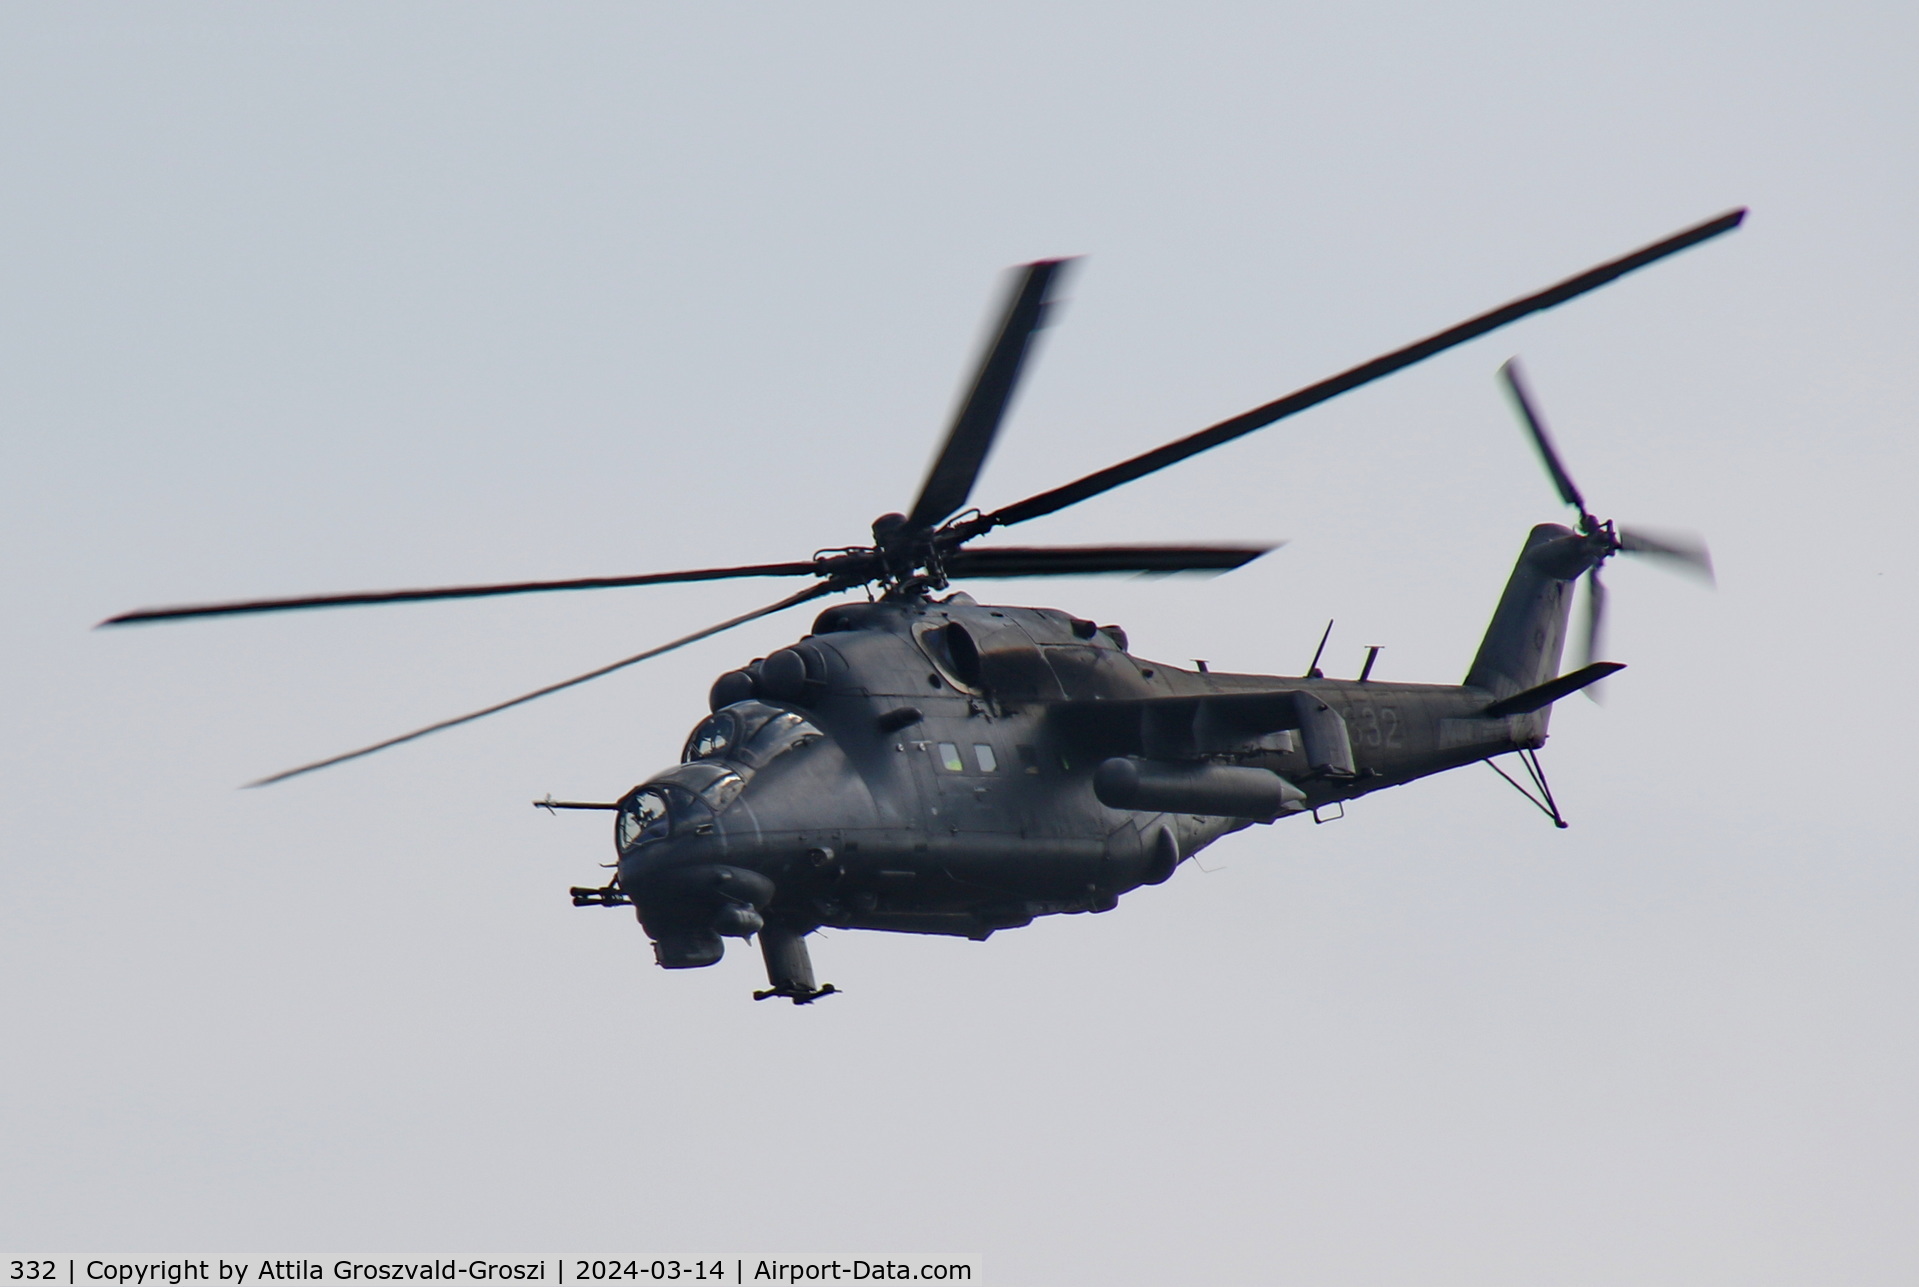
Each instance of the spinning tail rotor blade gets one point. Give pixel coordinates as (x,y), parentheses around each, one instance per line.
(1313,394)
(1087,560)
(950,480)
(1595,628)
(248,606)
(811,592)
(1688,552)
(1523,403)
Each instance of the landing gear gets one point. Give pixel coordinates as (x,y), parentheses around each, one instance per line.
(789,968)
(1542,799)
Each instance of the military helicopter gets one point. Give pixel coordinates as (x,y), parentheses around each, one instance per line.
(922,763)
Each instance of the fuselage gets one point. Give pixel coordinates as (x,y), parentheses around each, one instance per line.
(930,767)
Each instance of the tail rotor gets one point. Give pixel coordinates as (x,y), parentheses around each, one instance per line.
(1683,551)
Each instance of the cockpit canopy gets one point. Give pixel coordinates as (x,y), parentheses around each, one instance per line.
(723,753)
(748,734)
(680,801)
(644,815)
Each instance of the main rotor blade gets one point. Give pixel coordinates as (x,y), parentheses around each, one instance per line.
(1314,394)
(246,606)
(1523,403)
(811,592)
(1687,551)
(1084,560)
(950,480)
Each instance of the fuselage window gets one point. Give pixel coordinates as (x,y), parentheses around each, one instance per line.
(950,758)
(984,754)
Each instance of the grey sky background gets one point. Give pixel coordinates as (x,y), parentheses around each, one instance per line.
(321,297)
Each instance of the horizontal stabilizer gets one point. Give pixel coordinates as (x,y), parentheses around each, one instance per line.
(1552,690)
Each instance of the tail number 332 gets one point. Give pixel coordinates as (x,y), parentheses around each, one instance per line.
(1375,725)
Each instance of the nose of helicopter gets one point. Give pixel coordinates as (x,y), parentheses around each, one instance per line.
(688,902)
(703,845)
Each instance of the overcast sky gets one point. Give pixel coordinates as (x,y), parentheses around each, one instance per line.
(312,297)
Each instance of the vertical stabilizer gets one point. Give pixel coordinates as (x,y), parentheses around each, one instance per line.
(1523,644)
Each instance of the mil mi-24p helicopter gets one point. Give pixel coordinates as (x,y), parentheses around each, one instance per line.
(923,763)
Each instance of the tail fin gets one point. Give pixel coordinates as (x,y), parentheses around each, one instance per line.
(1523,644)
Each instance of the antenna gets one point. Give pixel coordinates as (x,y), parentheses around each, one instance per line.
(1313,671)
(1372,655)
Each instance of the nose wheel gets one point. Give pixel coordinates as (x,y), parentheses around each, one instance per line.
(789,967)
